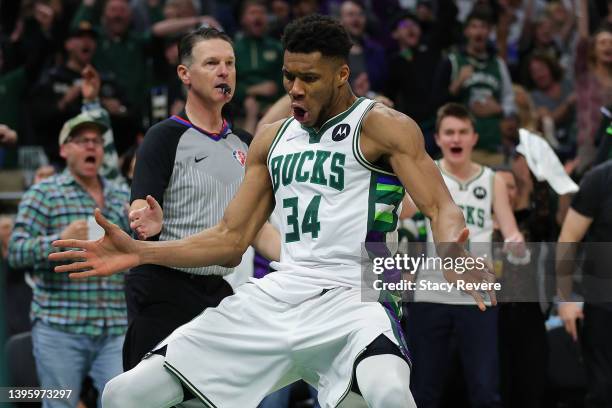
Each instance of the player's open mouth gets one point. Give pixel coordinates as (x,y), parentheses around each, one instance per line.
(300,114)
(456,150)
(90,159)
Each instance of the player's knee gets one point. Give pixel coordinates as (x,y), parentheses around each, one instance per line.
(118,393)
(396,394)
(384,382)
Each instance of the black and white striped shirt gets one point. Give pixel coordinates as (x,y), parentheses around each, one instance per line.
(193,174)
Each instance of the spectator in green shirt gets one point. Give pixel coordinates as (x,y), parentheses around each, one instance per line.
(259,58)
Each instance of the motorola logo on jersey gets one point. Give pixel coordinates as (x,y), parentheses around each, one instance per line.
(341,131)
(479,192)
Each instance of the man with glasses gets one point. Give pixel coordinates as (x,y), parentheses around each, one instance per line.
(78,327)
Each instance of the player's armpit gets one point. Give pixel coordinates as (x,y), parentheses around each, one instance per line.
(397,139)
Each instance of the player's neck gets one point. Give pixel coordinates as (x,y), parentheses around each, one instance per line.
(204,116)
(341,102)
(461,171)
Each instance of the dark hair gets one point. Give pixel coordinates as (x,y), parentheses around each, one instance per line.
(553,66)
(456,110)
(246,3)
(189,40)
(483,13)
(603,28)
(317,33)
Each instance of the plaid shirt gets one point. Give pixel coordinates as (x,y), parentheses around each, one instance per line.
(94,306)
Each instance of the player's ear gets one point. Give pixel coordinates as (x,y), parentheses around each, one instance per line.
(437,139)
(343,74)
(183,74)
(62,151)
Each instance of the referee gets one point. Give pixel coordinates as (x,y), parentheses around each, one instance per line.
(190,165)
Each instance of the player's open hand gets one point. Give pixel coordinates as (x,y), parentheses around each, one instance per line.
(113,253)
(147,221)
(477,274)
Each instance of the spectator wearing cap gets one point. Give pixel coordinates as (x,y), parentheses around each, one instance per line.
(412,68)
(78,327)
(479,79)
(57,96)
(125,52)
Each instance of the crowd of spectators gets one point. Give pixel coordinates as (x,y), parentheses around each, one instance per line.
(540,65)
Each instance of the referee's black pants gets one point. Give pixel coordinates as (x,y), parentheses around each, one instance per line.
(160,300)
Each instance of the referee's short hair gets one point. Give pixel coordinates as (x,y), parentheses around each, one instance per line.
(189,40)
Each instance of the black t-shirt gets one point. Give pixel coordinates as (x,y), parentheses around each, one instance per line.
(594,200)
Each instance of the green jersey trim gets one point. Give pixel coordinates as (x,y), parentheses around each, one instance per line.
(277,137)
(357,150)
(463,185)
(315,136)
(203,399)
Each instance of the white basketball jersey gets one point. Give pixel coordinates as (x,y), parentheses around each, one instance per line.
(330,200)
(475,198)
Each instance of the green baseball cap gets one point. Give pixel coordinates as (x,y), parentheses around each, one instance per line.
(82,120)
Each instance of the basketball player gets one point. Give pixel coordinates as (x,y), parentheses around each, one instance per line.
(336,170)
(439,316)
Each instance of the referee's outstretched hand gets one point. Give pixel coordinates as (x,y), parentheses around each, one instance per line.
(114,252)
(147,221)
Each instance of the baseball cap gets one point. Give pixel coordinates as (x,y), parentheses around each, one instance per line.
(78,122)
(83,28)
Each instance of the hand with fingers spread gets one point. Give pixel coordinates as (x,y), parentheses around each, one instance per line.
(570,312)
(474,275)
(113,253)
(147,221)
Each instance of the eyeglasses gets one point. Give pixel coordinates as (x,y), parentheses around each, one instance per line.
(83,141)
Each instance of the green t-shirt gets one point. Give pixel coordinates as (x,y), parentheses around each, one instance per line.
(125,57)
(485,82)
(258,60)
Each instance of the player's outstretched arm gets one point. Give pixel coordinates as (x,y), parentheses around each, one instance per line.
(397,139)
(222,244)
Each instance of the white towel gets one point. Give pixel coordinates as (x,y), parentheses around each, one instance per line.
(544,163)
